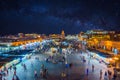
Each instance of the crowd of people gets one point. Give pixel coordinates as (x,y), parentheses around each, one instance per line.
(7,71)
(106,74)
(103,75)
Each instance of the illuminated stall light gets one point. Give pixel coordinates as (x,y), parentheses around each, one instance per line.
(115,51)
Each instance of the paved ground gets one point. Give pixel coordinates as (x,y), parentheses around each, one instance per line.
(77,72)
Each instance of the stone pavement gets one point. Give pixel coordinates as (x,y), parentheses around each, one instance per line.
(77,72)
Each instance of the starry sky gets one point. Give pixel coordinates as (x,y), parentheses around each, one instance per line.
(52,16)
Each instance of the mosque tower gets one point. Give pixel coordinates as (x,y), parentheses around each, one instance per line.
(63,34)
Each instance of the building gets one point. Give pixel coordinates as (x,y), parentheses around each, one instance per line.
(82,36)
(33,35)
(106,40)
(116,36)
(17,41)
(113,46)
(62,34)
(58,36)
(21,35)
(55,36)
(100,34)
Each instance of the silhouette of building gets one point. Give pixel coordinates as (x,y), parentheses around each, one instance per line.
(63,34)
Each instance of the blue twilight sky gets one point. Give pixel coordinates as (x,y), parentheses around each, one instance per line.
(51,16)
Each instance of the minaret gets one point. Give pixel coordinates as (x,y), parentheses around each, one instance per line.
(63,34)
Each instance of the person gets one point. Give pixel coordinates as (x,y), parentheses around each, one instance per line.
(101,74)
(0,76)
(71,65)
(89,61)
(35,74)
(105,76)
(100,61)
(84,59)
(87,71)
(45,73)
(86,78)
(5,68)
(10,68)
(41,72)
(63,58)
(7,71)
(14,68)
(15,77)
(105,73)
(66,65)
(114,76)
(63,74)
(46,70)
(42,66)
(4,78)
(24,67)
(92,68)
(80,51)
(109,74)
(14,72)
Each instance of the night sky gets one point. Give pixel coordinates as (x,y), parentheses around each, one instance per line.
(51,16)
